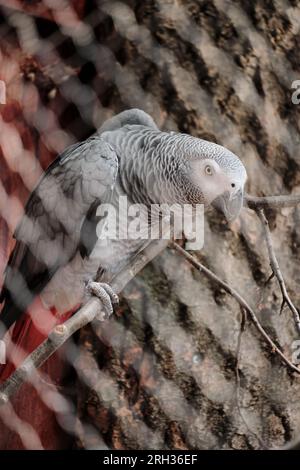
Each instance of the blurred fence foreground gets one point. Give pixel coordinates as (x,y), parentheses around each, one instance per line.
(162,373)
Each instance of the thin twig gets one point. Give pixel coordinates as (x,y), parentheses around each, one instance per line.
(238,379)
(292,445)
(230,290)
(86,314)
(286,300)
(272,202)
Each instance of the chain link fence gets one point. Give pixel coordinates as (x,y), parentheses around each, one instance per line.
(162,373)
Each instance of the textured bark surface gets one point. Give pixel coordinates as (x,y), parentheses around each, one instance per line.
(166,364)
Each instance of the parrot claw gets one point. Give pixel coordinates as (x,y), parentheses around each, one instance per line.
(105,293)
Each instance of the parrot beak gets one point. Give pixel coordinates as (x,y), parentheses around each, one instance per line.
(229,204)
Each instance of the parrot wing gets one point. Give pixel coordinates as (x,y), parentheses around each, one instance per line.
(57,221)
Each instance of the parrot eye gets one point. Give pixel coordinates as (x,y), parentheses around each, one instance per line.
(208,170)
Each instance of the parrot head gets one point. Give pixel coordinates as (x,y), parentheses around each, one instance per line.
(172,167)
(216,175)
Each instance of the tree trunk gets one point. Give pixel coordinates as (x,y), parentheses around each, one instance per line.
(166,374)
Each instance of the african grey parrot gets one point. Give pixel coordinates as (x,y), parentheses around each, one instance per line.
(58,252)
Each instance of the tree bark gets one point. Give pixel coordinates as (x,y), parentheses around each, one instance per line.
(167,362)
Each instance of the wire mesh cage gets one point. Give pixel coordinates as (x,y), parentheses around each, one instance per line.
(179,365)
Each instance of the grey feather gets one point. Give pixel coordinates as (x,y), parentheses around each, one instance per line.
(50,232)
(155,166)
(128,117)
(57,247)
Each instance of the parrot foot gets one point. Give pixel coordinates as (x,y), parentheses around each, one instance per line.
(105,293)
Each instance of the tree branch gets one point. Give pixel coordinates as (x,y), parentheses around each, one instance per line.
(271,202)
(276,270)
(86,314)
(238,379)
(93,308)
(243,303)
(292,445)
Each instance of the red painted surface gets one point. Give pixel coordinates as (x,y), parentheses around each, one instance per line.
(18,176)
(27,334)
